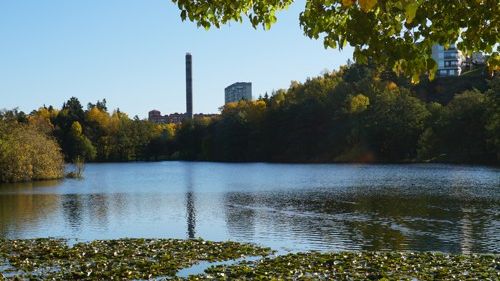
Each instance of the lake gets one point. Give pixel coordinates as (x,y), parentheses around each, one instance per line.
(289,207)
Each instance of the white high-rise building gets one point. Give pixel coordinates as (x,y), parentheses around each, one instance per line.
(238,91)
(449,60)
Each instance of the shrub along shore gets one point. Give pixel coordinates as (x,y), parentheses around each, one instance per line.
(161,259)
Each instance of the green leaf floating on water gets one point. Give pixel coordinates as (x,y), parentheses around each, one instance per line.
(362,266)
(143,259)
(124,259)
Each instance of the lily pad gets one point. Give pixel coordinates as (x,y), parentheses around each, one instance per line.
(124,259)
(362,266)
(161,259)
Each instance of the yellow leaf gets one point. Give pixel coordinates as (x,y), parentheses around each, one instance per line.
(494,62)
(391,86)
(367,5)
(415,78)
(411,11)
(348,3)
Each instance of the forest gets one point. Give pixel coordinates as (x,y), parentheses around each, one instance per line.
(355,114)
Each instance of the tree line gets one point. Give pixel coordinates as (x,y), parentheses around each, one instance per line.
(35,146)
(354,114)
(94,134)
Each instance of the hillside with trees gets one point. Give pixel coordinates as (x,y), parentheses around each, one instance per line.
(351,115)
(355,114)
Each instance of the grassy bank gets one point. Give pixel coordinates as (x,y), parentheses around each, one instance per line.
(161,259)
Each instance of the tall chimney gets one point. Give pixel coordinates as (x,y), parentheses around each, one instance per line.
(189,86)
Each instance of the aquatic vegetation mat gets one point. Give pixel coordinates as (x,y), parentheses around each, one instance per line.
(124,259)
(161,259)
(362,266)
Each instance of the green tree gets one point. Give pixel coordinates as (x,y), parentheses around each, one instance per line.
(397,34)
(97,130)
(80,146)
(429,145)
(161,144)
(359,103)
(194,140)
(493,116)
(13,115)
(459,132)
(72,111)
(393,125)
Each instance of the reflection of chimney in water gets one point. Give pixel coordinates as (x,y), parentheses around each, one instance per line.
(191,215)
(190,201)
(466,231)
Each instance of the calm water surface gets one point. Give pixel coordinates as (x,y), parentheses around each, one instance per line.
(287,207)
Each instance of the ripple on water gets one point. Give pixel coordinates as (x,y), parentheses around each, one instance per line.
(302,207)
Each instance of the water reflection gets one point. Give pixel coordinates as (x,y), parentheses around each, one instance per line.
(191,215)
(20,213)
(297,207)
(21,208)
(90,209)
(190,203)
(97,205)
(364,221)
(72,209)
(240,216)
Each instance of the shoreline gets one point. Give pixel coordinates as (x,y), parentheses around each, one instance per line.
(82,177)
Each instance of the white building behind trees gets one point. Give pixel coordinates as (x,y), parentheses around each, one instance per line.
(449,60)
(238,91)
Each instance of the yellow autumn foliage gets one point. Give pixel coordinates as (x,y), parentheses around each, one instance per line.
(27,154)
(367,5)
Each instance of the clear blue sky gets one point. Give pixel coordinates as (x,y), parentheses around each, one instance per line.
(131,52)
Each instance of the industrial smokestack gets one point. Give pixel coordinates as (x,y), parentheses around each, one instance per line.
(189,86)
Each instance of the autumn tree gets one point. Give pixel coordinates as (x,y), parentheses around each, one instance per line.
(79,146)
(28,154)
